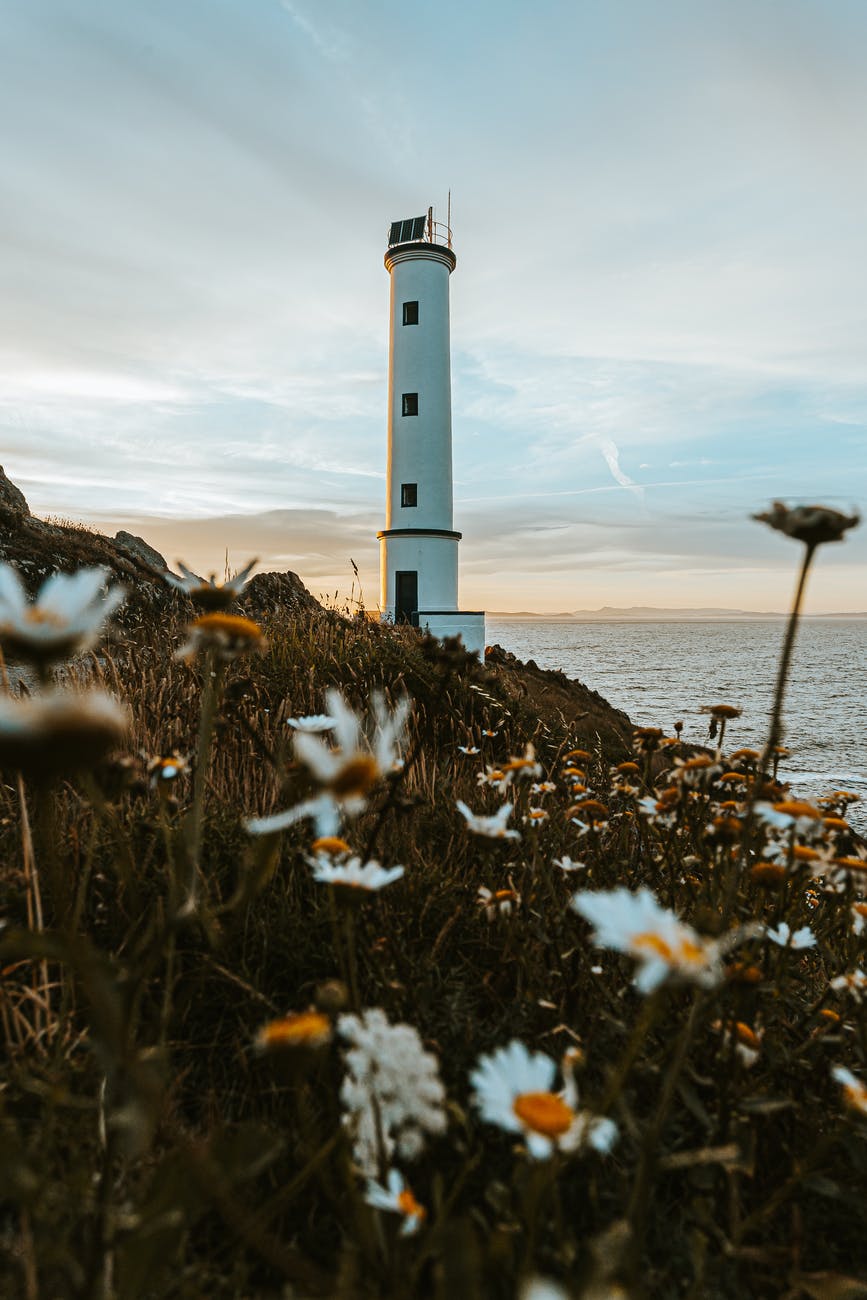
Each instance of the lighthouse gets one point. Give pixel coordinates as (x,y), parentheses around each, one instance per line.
(419,545)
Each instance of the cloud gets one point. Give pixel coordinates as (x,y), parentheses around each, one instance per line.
(611,457)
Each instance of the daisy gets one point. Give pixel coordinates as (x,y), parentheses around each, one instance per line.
(315,723)
(811,525)
(497,902)
(542,1288)
(543,787)
(207,593)
(784,938)
(859,918)
(513,1089)
(525,767)
(855,982)
(226,635)
(66,617)
(371,877)
(346,772)
(536,816)
(165,771)
(494,777)
(470,750)
(663,945)
(566,864)
(48,735)
(492,827)
(854,1091)
(396,1198)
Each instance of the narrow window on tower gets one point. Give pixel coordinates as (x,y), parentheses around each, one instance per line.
(410,403)
(410,313)
(409,494)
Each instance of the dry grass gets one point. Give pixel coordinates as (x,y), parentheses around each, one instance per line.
(148,1150)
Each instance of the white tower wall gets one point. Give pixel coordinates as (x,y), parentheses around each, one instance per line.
(419,547)
(420,446)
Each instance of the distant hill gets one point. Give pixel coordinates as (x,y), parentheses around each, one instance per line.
(658,614)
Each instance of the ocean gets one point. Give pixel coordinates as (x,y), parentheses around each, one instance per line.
(664,671)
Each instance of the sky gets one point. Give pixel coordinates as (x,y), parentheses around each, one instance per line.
(658,316)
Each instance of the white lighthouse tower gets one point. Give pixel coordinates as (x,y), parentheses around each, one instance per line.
(418,546)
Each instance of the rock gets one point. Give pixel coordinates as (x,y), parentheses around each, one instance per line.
(138,547)
(275,593)
(12,499)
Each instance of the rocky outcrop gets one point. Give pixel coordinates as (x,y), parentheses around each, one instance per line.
(138,547)
(12,499)
(38,549)
(275,593)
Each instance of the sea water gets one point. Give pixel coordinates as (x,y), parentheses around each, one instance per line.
(660,672)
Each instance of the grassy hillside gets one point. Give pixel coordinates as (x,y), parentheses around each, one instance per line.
(167,1131)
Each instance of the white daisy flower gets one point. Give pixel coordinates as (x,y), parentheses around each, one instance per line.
(494,777)
(314,723)
(370,877)
(513,1089)
(45,736)
(542,1288)
(396,1198)
(543,787)
(566,864)
(859,918)
(355,764)
(65,618)
(347,772)
(536,816)
(207,593)
(492,827)
(663,945)
(854,1090)
(470,750)
(784,938)
(497,902)
(855,983)
(524,768)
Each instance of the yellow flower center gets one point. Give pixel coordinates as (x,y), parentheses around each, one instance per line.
(684,951)
(230,625)
(307,1029)
(544,1112)
(357,776)
(797,808)
(856,1096)
(331,845)
(408,1205)
(747,1036)
(43,617)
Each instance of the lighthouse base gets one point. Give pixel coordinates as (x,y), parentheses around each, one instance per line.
(469,625)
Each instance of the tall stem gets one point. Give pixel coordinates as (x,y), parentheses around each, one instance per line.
(786,658)
(210,699)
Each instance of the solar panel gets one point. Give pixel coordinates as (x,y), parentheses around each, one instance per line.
(408,231)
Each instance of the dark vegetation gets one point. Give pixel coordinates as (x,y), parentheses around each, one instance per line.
(147,1149)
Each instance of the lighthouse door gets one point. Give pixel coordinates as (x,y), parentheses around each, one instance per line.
(406,596)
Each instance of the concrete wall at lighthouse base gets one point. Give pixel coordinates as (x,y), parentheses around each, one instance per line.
(469,625)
